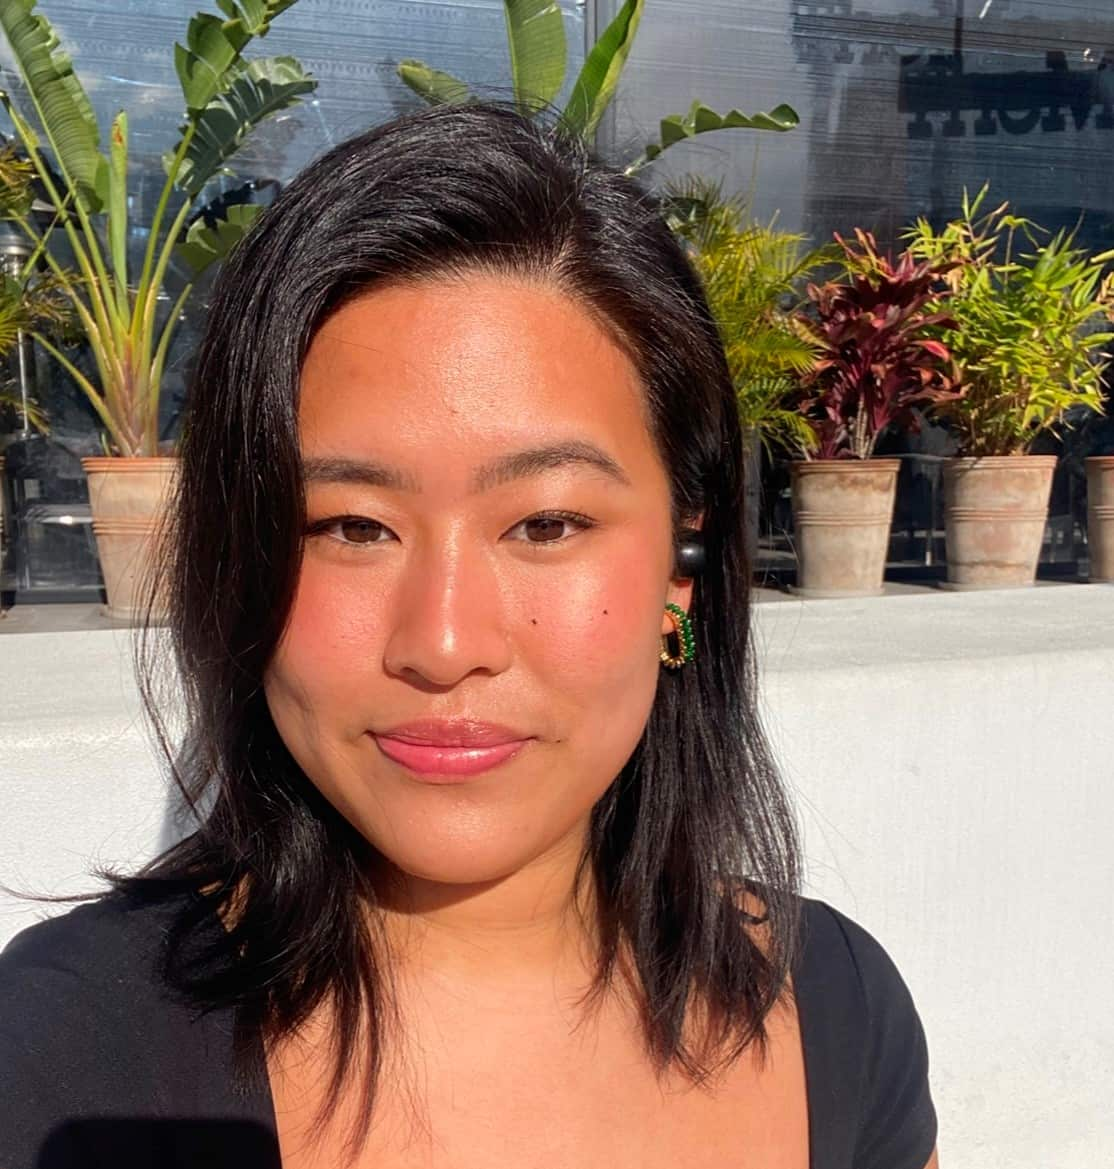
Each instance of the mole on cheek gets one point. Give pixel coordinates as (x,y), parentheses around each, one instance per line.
(533,620)
(605,612)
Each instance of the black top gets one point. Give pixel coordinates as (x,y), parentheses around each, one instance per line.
(100,1067)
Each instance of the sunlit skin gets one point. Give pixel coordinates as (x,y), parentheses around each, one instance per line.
(452,597)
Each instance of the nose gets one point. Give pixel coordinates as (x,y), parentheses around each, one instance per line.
(448,619)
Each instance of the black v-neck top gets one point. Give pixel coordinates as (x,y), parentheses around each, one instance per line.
(100,1068)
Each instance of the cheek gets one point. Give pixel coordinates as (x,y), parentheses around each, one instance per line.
(328,646)
(594,651)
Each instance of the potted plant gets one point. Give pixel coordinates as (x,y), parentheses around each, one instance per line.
(752,275)
(538,57)
(876,364)
(1026,338)
(116,303)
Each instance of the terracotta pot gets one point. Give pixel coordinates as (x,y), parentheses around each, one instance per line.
(1100,516)
(842,511)
(127,498)
(995,512)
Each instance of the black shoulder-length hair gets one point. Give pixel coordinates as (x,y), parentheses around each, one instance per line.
(698,813)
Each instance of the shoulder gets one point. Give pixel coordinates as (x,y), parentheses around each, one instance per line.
(831,939)
(865,1047)
(73,986)
(91,1034)
(98,950)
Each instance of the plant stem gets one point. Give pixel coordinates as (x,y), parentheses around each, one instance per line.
(157,370)
(94,290)
(156,224)
(90,390)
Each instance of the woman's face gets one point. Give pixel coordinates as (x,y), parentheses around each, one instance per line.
(473,647)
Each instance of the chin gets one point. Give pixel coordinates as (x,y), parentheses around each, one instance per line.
(461,845)
(459,864)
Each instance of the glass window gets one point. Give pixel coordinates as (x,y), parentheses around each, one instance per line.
(903,105)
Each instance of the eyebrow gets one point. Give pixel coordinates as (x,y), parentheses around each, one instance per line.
(505,469)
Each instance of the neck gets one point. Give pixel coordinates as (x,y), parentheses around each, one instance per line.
(532,925)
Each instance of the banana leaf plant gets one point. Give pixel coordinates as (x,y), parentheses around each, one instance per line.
(877,353)
(85,188)
(539,62)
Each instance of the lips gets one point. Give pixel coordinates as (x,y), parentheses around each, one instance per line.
(450,750)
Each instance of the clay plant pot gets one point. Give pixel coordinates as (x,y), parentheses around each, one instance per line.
(995,511)
(842,512)
(128,500)
(1100,517)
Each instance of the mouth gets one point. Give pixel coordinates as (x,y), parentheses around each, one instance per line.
(450,751)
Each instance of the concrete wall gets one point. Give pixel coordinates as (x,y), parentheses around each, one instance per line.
(952,758)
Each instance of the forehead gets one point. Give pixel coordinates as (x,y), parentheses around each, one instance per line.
(462,367)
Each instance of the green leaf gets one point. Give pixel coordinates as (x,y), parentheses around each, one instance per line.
(118,206)
(599,77)
(433,86)
(205,245)
(254,15)
(61,103)
(701,120)
(536,39)
(257,90)
(213,45)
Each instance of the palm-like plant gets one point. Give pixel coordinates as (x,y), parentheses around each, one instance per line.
(1030,321)
(539,62)
(752,275)
(38,305)
(117,308)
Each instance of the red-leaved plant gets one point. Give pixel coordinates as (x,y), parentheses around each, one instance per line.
(876,359)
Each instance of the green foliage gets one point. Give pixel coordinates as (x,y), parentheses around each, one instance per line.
(700,120)
(1031,318)
(752,275)
(214,46)
(538,52)
(226,97)
(59,100)
(16,177)
(433,86)
(256,91)
(599,76)
(536,41)
(206,244)
(28,306)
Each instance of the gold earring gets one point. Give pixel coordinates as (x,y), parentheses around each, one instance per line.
(682,631)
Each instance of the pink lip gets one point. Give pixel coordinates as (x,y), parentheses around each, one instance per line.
(450,750)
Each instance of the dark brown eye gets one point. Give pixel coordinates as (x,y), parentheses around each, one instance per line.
(544,529)
(360,531)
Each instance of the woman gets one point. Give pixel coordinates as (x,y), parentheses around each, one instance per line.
(494,866)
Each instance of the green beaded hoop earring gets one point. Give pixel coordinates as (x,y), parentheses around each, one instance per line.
(682,630)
